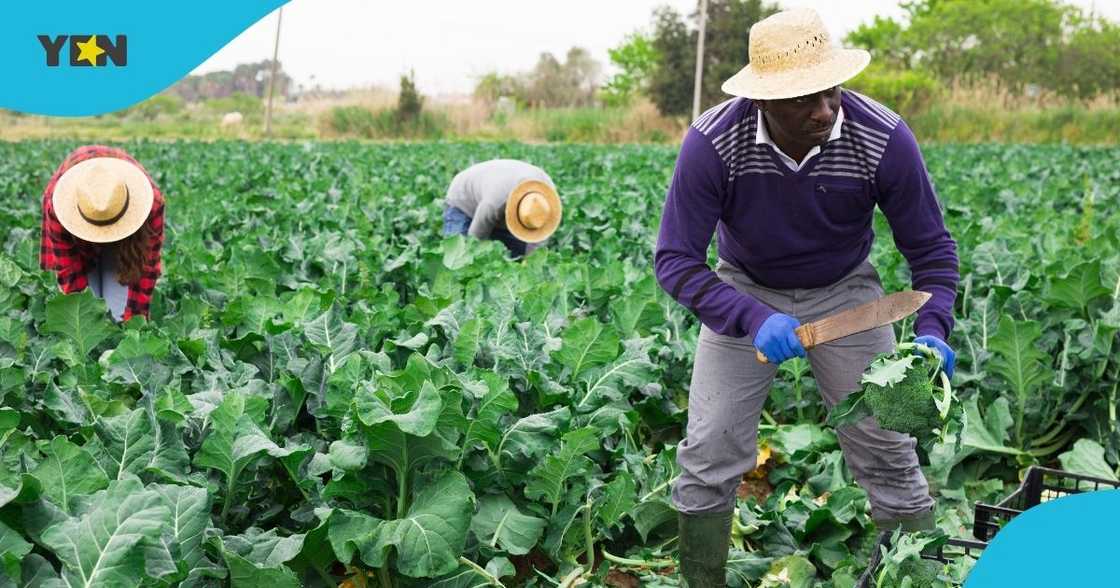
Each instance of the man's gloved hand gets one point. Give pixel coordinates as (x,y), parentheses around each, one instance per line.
(776,339)
(948,357)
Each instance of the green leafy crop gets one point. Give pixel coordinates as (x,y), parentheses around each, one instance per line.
(330,393)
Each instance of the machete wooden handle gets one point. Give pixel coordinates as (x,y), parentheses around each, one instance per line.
(805,333)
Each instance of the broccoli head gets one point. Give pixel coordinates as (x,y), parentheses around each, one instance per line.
(899,390)
(907,406)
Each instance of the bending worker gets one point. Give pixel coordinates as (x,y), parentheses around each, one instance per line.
(504,199)
(103,229)
(788,174)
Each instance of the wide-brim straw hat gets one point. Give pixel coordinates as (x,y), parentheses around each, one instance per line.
(533,211)
(103,199)
(791,55)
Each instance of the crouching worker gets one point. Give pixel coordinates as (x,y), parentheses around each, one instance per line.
(103,228)
(504,199)
(789,173)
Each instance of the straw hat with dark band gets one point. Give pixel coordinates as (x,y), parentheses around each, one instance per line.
(791,55)
(533,211)
(102,200)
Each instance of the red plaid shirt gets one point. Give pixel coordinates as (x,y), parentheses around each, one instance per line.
(73,258)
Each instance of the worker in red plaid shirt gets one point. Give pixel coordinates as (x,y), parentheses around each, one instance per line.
(103,229)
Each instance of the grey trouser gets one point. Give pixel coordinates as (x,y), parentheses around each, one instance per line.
(103,282)
(729,388)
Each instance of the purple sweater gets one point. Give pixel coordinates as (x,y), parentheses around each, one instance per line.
(804,229)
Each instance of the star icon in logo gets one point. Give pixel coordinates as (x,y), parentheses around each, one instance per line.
(89,51)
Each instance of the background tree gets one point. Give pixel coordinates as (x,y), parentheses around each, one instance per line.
(670,85)
(410,102)
(550,84)
(725,52)
(636,60)
(1015,45)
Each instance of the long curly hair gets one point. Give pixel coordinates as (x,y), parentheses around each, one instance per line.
(132,252)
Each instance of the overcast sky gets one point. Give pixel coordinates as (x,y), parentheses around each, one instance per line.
(450,43)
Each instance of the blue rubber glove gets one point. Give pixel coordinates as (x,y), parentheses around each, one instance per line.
(776,339)
(948,357)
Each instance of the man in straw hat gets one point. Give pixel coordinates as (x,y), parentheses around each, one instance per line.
(103,228)
(504,199)
(789,174)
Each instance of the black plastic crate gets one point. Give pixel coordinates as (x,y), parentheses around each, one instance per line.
(952,549)
(1039,485)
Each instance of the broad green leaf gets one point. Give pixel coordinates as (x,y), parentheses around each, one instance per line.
(257,559)
(467,342)
(82,318)
(140,359)
(173,406)
(619,498)
(586,345)
(1078,289)
(483,426)
(457,253)
(246,574)
(548,480)
(189,509)
(791,440)
(849,411)
(564,538)
(433,533)
(351,532)
(463,577)
(10,273)
(1020,362)
(104,546)
(1018,359)
(65,404)
(126,444)
(403,452)
(500,524)
(9,419)
(1087,457)
(334,338)
(347,456)
(235,441)
(632,369)
(794,571)
(68,471)
(24,488)
(636,313)
(746,569)
(651,514)
(170,461)
(990,431)
(37,572)
(887,372)
(534,435)
(415,414)
(13,548)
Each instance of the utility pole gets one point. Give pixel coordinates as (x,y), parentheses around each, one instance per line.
(699,60)
(272,78)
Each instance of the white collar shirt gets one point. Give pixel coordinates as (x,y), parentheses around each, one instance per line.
(762,137)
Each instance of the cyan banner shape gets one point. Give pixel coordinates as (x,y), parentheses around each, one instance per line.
(1070,541)
(72,58)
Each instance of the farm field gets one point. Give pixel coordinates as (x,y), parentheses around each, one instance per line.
(330,393)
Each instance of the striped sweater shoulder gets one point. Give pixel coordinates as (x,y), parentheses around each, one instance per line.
(731,128)
(867,129)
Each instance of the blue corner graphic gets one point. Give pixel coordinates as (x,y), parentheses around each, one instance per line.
(1070,541)
(68,58)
